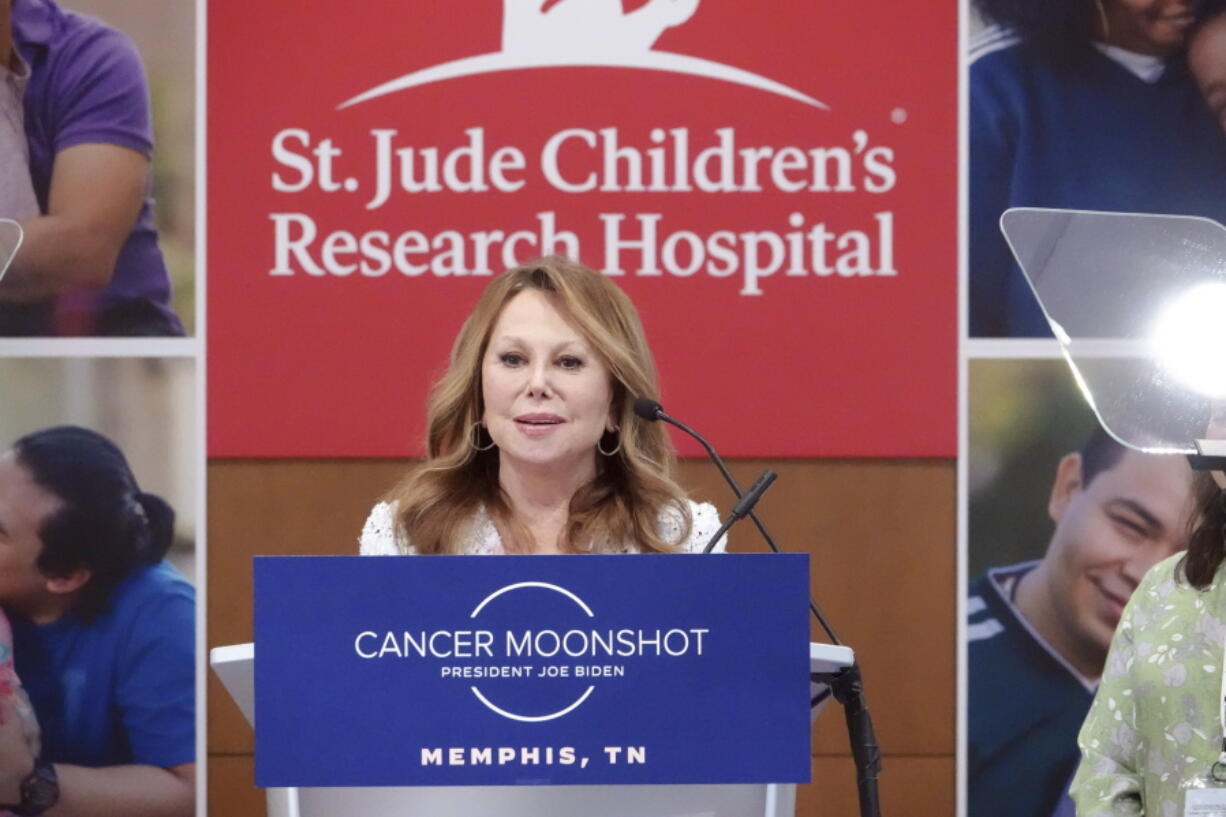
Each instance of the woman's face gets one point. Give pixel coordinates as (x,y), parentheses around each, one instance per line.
(547,393)
(1207,58)
(1157,27)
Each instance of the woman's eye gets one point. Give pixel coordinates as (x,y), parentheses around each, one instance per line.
(511,358)
(570,362)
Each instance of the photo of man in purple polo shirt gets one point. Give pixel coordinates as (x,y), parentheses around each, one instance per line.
(90,262)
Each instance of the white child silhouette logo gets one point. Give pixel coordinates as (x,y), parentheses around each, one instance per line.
(586,33)
(588,27)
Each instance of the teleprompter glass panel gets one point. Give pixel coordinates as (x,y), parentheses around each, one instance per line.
(1138,305)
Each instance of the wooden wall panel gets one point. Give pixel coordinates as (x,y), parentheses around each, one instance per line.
(911,786)
(881,535)
(232,791)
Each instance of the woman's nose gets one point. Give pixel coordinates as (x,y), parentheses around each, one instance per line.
(538,381)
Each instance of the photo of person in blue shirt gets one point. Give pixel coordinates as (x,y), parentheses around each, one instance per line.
(1084,105)
(103,635)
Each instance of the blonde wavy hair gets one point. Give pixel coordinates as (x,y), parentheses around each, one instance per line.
(438,501)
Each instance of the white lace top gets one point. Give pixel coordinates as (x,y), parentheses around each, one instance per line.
(381,537)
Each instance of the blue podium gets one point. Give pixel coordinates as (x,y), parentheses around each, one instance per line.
(588,685)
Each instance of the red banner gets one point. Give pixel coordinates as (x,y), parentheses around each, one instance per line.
(775,187)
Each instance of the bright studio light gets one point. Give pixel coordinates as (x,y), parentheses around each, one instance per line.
(1189,338)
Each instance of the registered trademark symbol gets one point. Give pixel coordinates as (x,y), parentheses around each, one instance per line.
(898,116)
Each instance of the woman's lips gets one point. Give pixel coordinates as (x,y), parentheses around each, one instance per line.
(537,425)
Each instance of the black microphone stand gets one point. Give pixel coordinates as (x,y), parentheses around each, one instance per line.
(651,410)
(848,688)
(847,685)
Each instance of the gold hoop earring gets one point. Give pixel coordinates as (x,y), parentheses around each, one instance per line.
(1102,18)
(616,449)
(474,438)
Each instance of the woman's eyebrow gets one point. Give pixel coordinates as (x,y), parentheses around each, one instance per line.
(578,343)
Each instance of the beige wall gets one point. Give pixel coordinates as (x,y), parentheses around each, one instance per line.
(881,535)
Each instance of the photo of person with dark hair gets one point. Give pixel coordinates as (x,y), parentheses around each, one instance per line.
(1038,631)
(1084,105)
(103,634)
(90,263)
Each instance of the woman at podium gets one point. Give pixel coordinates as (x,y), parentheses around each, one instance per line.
(532,442)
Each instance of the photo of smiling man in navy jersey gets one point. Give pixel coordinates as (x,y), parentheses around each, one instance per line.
(91,263)
(103,636)
(1038,631)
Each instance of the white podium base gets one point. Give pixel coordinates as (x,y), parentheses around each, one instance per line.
(536,801)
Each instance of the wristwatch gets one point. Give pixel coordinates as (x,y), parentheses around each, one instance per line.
(39,791)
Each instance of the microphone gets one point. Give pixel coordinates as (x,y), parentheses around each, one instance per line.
(648,409)
(651,411)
